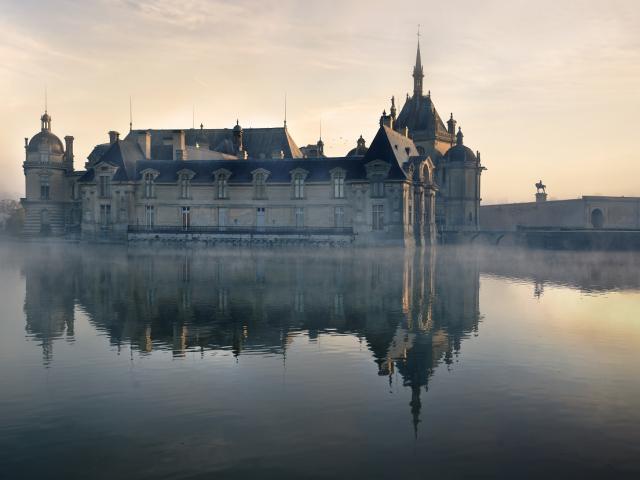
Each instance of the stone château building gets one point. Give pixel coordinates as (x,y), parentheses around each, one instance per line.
(416,179)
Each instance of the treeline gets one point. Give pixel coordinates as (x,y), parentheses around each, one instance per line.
(11,217)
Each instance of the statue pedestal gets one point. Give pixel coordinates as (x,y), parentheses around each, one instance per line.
(541,197)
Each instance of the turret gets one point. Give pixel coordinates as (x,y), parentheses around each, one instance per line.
(237,137)
(451,126)
(386,120)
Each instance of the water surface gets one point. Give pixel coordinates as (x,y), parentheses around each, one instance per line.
(177,364)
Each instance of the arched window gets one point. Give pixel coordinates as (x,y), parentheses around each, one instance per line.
(597,218)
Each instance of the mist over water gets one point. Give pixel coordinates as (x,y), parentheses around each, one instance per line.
(121,362)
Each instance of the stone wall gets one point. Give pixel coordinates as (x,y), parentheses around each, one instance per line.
(586,212)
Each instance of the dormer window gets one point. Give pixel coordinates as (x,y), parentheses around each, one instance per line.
(377,188)
(337,183)
(149,187)
(298,177)
(260,184)
(221,181)
(184,183)
(104,186)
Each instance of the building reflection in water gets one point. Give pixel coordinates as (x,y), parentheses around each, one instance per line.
(411,309)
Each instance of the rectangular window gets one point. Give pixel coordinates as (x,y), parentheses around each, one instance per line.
(298,186)
(338,217)
(299,213)
(186,218)
(149,216)
(222,187)
(104,186)
(44,188)
(260,186)
(184,186)
(338,186)
(105,215)
(410,215)
(377,217)
(377,189)
(148,185)
(222,217)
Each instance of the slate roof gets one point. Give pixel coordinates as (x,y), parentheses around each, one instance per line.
(419,114)
(54,145)
(256,141)
(388,145)
(124,154)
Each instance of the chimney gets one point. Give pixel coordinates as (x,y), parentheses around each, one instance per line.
(68,151)
(143,137)
(113,136)
(178,142)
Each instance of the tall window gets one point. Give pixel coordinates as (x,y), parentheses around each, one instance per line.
(149,216)
(338,185)
(185,185)
(222,217)
(377,222)
(377,188)
(44,188)
(410,216)
(104,186)
(338,217)
(298,186)
(222,186)
(186,218)
(148,185)
(299,214)
(260,185)
(105,215)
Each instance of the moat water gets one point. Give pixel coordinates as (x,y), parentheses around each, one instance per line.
(127,363)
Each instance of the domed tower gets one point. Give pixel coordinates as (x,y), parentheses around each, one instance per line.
(458,200)
(48,170)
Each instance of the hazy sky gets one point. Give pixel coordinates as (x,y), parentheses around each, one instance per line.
(544,89)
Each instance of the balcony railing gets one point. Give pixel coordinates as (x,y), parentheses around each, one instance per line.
(241,230)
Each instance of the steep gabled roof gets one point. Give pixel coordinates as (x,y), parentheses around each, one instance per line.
(420,115)
(389,145)
(123,154)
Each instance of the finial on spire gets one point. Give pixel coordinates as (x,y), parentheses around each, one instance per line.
(130,115)
(393,107)
(459,137)
(285,109)
(45,99)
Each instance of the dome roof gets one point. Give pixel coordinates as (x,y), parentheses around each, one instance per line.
(357,152)
(47,141)
(460,153)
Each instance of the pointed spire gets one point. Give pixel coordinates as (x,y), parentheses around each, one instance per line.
(418,72)
(130,115)
(393,107)
(459,137)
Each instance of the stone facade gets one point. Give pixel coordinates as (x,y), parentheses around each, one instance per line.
(256,186)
